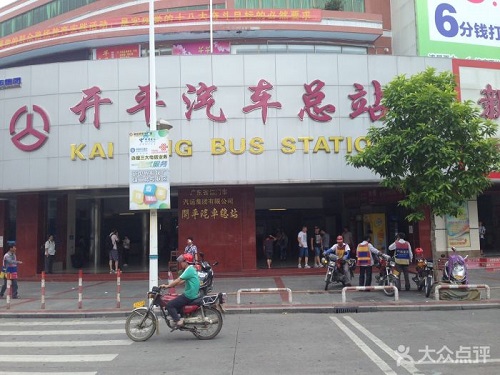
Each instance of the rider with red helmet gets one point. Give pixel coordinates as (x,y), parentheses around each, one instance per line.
(190,278)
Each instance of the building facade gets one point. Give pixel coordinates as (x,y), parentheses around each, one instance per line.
(261,125)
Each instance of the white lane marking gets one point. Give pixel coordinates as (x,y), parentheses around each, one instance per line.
(45,373)
(370,353)
(406,365)
(63,332)
(59,323)
(43,358)
(64,344)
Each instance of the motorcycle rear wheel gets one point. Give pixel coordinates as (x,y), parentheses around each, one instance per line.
(211,328)
(428,285)
(141,324)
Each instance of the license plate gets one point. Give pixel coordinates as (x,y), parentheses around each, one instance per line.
(138,304)
(430,264)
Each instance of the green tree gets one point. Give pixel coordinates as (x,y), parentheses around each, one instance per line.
(433,148)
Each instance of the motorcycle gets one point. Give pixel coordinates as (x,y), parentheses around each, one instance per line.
(424,277)
(334,270)
(202,317)
(205,274)
(455,269)
(389,275)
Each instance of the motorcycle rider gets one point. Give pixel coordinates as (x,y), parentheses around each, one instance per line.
(189,277)
(364,255)
(342,250)
(402,257)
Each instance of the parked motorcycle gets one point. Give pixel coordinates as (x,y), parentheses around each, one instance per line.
(206,274)
(424,277)
(203,317)
(389,275)
(334,270)
(455,269)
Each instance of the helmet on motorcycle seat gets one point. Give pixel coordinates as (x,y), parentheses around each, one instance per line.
(419,252)
(188,258)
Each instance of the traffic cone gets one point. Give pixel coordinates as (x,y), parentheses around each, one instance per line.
(170,279)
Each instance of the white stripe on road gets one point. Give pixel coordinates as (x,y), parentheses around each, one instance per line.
(407,366)
(62,322)
(45,373)
(64,344)
(43,358)
(370,353)
(63,332)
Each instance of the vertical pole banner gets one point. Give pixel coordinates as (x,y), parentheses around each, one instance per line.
(149,180)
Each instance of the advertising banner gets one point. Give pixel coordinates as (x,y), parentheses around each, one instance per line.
(458,229)
(149,170)
(374,224)
(459,29)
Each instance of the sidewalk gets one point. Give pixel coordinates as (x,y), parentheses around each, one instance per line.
(305,287)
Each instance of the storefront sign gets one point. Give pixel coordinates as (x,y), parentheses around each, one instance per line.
(149,184)
(118,52)
(466,29)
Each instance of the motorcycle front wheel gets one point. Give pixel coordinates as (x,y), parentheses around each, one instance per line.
(428,285)
(212,325)
(141,324)
(388,292)
(420,284)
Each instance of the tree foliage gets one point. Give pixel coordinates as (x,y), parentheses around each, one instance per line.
(433,148)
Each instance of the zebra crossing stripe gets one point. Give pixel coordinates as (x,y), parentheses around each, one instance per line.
(64,344)
(63,332)
(60,358)
(45,373)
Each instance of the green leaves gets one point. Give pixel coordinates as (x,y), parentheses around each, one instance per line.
(435,149)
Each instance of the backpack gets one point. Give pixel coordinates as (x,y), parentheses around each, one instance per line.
(108,243)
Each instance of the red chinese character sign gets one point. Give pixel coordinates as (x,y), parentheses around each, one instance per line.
(149,180)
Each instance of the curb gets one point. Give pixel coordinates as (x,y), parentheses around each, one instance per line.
(272,309)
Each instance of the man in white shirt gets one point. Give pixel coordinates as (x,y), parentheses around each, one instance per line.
(303,249)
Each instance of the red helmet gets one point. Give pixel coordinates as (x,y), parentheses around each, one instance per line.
(188,258)
(419,251)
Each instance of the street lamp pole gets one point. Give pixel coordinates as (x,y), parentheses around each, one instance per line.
(153,213)
(211,27)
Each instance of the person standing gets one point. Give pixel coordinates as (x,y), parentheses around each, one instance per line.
(113,252)
(482,237)
(364,253)
(325,239)
(303,249)
(191,248)
(342,250)
(126,250)
(282,240)
(403,257)
(348,238)
(50,253)
(316,246)
(10,263)
(269,249)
